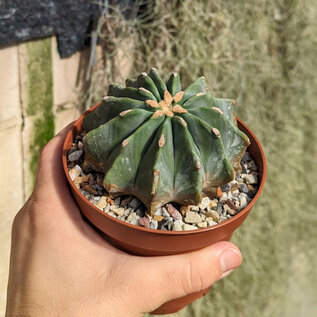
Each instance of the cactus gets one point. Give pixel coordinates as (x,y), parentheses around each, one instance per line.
(163,144)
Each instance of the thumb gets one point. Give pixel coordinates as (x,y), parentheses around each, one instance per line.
(170,277)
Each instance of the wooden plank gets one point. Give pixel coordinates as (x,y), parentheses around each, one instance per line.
(11,187)
(68,83)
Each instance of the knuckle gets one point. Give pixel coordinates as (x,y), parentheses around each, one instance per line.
(199,275)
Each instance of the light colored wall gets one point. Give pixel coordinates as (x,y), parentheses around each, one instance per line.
(16,129)
(11,167)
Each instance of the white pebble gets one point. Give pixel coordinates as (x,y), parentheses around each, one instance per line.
(187,227)
(210,221)
(223,198)
(243,202)
(153,224)
(158,212)
(192,217)
(165,213)
(204,203)
(102,202)
(74,173)
(178,225)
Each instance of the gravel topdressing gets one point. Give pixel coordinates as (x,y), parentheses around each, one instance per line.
(231,198)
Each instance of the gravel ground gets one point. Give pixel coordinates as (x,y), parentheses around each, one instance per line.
(231,198)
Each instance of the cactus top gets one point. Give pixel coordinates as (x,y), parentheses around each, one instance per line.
(163,144)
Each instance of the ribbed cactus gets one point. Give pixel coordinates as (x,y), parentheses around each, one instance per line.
(163,144)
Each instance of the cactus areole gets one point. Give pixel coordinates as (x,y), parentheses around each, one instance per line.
(162,144)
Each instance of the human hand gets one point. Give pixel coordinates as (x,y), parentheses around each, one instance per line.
(61,267)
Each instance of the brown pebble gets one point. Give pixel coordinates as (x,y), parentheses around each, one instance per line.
(158,218)
(173,212)
(99,180)
(91,180)
(219,192)
(125,202)
(110,201)
(90,189)
(184,210)
(231,204)
(82,179)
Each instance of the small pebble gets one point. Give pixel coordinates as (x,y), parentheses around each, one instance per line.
(125,202)
(144,222)
(231,198)
(210,221)
(187,227)
(90,189)
(75,172)
(219,192)
(119,211)
(250,178)
(139,212)
(158,218)
(170,225)
(178,225)
(80,146)
(127,212)
(99,179)
(234,185)
(243,188)
(153,224)
(243,202)
(226,208)
(184,209)
(246,157)
(212,204)
(226,188)
(192,217)
(135,203)
(107,208)
(117,201)
(102,202)
(252,166)
(204,203)
(231,204)
(232,212)
(133,217)
(165,212)
(158,212)
(112,214)
(222,218)
(173,212)
(75,156)
(224,197)
(243,168)
(194,208)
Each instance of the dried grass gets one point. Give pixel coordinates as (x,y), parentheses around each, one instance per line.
(260,53)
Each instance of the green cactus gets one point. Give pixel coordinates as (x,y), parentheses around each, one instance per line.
(163,144)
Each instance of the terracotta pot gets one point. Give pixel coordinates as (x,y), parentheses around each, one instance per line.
(149,242)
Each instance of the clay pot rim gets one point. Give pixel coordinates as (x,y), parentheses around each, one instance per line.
(156,231)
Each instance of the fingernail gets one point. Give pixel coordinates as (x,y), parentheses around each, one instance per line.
(225,274)
(230,259)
